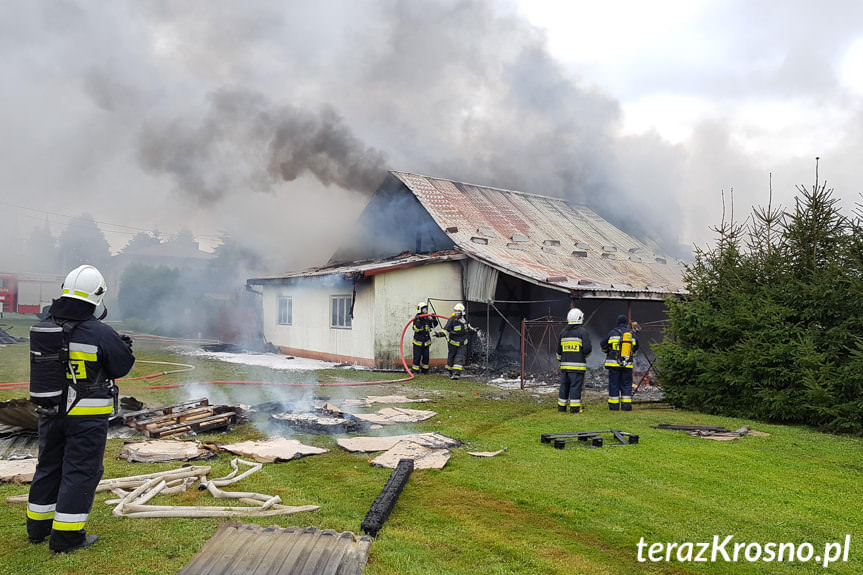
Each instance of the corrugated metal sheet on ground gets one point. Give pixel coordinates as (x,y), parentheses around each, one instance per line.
(237,548)
(18,443)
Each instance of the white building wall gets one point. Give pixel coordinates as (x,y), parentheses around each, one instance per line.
(310,333)
(384,304)
(396,296)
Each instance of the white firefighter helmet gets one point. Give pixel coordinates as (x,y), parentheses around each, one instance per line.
(421,305)
(575,315)
(86,284)
(458,308)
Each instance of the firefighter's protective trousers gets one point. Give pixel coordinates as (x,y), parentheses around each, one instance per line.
(456,352)
(71,449)
(619,389)
(571,384)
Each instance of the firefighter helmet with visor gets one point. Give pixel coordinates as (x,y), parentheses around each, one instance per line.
(86,284)
(575,316)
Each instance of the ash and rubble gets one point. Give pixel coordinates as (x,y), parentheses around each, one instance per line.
(595,384)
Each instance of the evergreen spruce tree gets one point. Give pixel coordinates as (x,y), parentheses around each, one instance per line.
(773,330)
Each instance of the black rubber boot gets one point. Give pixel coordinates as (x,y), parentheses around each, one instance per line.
(88,540)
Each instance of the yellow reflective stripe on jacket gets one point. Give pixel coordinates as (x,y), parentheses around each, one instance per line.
(571,366)
(93,406)
(83,356)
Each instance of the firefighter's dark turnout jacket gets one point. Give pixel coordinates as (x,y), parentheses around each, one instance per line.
(72,442)
(458,332)
(572,350)
(619,369)
(422,341)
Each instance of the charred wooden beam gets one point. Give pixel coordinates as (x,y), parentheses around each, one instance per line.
(384,503)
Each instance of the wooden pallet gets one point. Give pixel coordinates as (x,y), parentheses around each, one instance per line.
(182,418)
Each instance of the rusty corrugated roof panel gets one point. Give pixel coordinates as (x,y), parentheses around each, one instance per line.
(241,549)
(544,240)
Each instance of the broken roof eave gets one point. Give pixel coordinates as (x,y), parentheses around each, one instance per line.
(364,270)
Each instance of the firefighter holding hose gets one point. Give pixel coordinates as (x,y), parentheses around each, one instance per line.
(423,324)
(619,348)
(74,359)
(457,331)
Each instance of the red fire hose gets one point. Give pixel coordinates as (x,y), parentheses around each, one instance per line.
(280,384)
(339,384)
(150,376)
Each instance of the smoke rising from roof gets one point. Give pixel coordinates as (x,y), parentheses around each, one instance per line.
(244,142)
(165,115)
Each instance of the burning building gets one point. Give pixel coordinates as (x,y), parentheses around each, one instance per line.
(509,256)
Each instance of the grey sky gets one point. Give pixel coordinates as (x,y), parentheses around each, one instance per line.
(272,120)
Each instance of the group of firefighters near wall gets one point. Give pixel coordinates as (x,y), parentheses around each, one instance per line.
(619,347)
(457,331)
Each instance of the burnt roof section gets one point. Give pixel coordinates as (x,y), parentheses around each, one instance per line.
(256,550)
(363,268)
(545,240)
(416,220)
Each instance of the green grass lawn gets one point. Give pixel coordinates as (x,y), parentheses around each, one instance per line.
(531,510)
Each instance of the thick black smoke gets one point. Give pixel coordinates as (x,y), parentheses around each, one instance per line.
(245,142)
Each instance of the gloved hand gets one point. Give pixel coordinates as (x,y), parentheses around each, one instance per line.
(127,340)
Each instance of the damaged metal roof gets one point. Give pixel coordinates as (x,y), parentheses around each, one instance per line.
(237,548)
(365,268)
(538,239)
(545,240)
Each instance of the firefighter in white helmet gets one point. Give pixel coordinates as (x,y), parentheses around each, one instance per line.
(572,351)
(423,324)
(457,330)
(74,359)
(620,347)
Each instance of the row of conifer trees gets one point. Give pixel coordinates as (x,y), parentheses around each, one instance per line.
(773,326)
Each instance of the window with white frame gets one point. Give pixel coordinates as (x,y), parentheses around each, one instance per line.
(340,311)
(286,310)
